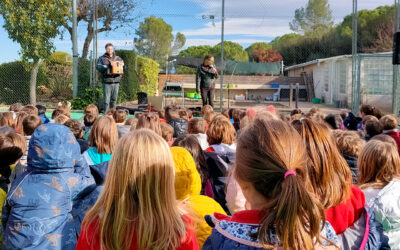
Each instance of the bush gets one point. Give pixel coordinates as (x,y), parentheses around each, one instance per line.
(83,76)
(129,83)
(89,96)
(60,80)
(60,57)
(148,75)
(14,82)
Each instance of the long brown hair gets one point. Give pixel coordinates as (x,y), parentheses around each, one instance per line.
(266,150)
(138,198)
(328,172)
(378,164)
(104,135)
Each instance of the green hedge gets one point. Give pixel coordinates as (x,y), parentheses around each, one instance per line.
(129,82)
(148,75)
(14,82)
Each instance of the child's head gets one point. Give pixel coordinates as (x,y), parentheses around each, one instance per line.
(220,131)
(133,123)
(110,112)
(30,109)
(328,171)
(53,146)
(183,114)
(384,138)
(225,112)
(334,121)
(197,126)
(367,109)
(270,168)
(350,143)
(89,120)
(161,114)
(8,119)
(130,202)
(61,111)
(378,164)
(61,119)
(20,118)
(12,148)
(206,109)
(91,109)
(104,135)
(130,121)
(30,123)
(209,116)
(75,126)
(167,132)
(149,121)
(191,144)
(190,113)
(296,112)
(373,128)
(389,122)
(119,116)
(171,112)
(16,107)
(368,118)
(236,115)
(41,109)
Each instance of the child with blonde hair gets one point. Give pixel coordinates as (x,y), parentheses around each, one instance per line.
(379,178)
(137,208)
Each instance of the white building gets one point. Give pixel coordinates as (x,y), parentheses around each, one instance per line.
(333,79)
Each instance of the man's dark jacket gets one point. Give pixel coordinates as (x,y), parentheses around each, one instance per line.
(205,77)
(104,66)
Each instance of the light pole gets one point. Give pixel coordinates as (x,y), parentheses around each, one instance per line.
(74,51)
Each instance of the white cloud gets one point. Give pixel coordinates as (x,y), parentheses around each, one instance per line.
(212,42)
(258,27)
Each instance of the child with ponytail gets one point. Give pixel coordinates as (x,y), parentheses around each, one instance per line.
(330,178)
(270,168)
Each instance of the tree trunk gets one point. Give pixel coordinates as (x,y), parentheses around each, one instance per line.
(32,83)
(88,39)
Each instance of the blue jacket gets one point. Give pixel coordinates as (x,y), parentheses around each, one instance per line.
(38,208)
(86,200)
(44,118)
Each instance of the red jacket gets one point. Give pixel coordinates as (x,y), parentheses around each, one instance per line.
(90,239)
(396,136)
(345,214)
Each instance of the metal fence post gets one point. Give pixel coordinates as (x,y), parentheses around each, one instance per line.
(297,95)
(74,50)
(355,100)
(395,101)
(291,95)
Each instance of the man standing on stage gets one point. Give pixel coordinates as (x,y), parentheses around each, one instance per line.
(110,81)
(206,73)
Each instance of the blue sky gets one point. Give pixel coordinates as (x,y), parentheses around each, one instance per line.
(247,21)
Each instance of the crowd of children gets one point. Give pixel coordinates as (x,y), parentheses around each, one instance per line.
(171,179)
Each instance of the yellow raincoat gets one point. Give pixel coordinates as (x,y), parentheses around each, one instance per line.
(188,187)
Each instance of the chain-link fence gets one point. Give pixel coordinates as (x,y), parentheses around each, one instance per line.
(315,53)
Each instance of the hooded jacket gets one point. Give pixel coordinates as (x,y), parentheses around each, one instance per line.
(386,206)
(180,126)
(355,224)
(235,232)
(187,189)
(352,162)
(219,159)
(37,213)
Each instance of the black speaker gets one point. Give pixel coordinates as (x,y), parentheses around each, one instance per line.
(396,48)
(142,98)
